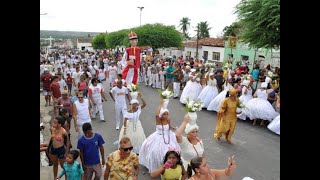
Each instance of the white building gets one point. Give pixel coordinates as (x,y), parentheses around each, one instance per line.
(84,44)
(208,49)
(173,51)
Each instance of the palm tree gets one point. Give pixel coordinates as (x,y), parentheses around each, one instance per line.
(203,29)
(185,25)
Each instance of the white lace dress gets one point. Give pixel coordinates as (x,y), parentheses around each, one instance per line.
(245,98)
(209,92)
(191,91)
(260,108)
(134,130)
(155,147)
(216,102)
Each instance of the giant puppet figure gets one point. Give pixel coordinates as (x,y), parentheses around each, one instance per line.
(131,60)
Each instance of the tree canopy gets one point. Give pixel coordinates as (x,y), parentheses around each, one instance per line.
(203,29)
(153,35)
(185,25)
(232,30)
(260,20)
(98,42)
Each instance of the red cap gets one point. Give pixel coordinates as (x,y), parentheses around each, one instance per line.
(132,35)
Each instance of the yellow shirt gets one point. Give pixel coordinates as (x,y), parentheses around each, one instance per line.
(122,169)
(229,108)
(172,174)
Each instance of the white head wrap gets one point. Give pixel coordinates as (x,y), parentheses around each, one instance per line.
(264,85)
(133,101)
(211,74)
(187,67)
(193,70)
(190,128)
(163,111)
(247,178)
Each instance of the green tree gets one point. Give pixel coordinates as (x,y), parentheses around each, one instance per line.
(260,21)
(184,26)
(232,30)
(203,29)
(98,41)
(153,35)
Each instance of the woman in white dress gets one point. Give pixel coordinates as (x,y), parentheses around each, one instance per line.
(210,91)
(245,97)
(192,89)
(274,126)
(132,127)
(216,102)
(191,145)
(158,143)
(260,108)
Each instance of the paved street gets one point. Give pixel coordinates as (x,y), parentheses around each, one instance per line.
(256,149)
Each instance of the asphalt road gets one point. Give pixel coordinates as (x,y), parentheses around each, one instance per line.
(256,149)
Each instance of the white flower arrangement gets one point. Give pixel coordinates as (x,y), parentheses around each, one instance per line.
(133,88)
(210,65)
(193,106)
(165,94)
(241,105)
(247,77)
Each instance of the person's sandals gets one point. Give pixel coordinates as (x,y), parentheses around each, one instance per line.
(218,140)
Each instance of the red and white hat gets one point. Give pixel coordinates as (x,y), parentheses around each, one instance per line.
(132,35)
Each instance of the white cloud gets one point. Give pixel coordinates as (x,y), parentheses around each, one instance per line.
(104,15)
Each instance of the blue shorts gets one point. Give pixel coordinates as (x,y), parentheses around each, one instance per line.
(59,152)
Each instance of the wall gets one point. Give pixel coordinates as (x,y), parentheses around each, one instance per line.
(212,49)
(170,52)
(87,46)
(193,52)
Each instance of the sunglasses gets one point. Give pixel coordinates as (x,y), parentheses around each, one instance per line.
(126,149)
(80,97)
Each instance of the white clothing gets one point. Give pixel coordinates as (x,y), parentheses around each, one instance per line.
(155,80)
(245,99)
(216,102)
(120,102)
(102,74)
(62,84)
(112,73)
(274,126)
(134,130)
(95,91)
(209,92)
(176,89)
(119,68)
(191,90)
(83,114)
(260,107)
(189,151)
(76,77)
(156,146)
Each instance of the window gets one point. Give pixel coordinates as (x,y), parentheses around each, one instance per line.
(83,48)
(188,53)
(244,58)
(216,56)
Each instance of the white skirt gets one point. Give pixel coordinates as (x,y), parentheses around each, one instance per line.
(192,90)
(154,149)
(216,102)
(245,100)
(274,126)
(260,109)
(135,133)
(208,94)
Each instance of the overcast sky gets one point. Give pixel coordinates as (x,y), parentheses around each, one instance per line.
(113,15)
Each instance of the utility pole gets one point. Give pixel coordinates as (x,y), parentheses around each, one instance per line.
(197,41)
(140,13)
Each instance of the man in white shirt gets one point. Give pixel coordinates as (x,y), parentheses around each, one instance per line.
(96,93)
(76,77)
(118,94)
(112,73)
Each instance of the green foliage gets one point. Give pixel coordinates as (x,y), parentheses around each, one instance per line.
(203,29)
(66,34)
(153,35)
(184,26)
(260,20)
(232,30)
(98,42)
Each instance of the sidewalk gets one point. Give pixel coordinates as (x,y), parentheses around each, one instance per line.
(46,113)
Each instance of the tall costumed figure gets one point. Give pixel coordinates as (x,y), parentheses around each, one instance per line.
(131,60)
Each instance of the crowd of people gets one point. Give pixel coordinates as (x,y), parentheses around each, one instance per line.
(75,85)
